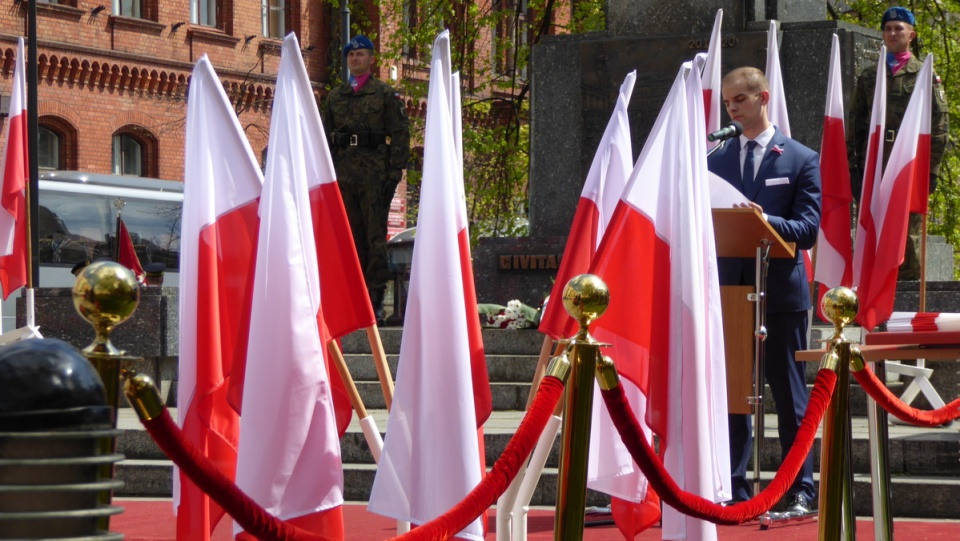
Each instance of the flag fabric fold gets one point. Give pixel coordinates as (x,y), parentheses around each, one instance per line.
(834,246)
(222,183)
(711,78)
(13,203)
(664,314)
(126,253)
(883,222)
(605,181)
(431,458)
(289,453)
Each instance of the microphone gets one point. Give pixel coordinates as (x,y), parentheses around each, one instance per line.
(731,130)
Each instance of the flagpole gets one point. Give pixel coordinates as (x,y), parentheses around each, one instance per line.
(923,263)
(33,188)
(369,426)
(380,361)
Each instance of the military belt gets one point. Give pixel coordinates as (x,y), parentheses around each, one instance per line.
(891,136)
(362,139)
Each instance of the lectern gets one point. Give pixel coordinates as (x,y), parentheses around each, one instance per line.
(742,232)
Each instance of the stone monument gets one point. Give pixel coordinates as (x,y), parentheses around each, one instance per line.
(575,81)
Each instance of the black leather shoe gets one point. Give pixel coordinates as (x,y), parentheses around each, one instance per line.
(797,504)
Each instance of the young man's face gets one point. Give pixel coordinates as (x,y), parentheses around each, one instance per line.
(359,61)
(897,36)
(746,106)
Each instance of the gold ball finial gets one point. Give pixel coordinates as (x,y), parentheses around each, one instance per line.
(586,298)
(105,294)
(840,305)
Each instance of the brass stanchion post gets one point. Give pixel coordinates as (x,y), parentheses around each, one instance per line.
(106,294)
(586,298)
(840,305)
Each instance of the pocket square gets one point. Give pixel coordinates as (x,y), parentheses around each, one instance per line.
(777,181)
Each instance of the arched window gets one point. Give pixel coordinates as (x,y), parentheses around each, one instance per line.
(128,154)
(48,149)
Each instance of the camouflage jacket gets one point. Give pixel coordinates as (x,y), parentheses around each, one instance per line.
(899,89)
(368,132)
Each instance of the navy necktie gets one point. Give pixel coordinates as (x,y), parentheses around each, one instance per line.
(748,167)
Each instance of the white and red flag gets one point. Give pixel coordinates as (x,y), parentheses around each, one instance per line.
(222,183)
(834,246)
(431,458)
(658,258)
(883,221)
(289,454)
(126,253)
(13,203)
(711,79)
(605,181)
(777,107)
(346,302)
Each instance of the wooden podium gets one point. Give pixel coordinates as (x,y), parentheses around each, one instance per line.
(742,232)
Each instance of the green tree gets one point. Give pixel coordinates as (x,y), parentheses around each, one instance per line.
(938,25)
(491,44)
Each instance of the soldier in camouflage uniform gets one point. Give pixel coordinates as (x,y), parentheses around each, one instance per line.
(902,70)
(369,136)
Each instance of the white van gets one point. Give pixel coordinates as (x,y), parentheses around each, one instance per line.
(77,222)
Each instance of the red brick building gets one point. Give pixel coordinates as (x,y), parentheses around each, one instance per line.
(113,76)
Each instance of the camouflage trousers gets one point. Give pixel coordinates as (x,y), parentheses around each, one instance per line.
(367,206)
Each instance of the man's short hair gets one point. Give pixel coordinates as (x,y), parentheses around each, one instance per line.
(752,77)
(898,13)
(357,43)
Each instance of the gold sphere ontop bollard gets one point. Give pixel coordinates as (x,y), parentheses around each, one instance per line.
(105,294)
(586,297)
(840,305)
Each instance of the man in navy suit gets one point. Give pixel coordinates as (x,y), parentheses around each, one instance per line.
(781,178)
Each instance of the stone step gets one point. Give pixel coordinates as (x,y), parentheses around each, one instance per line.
(923,464)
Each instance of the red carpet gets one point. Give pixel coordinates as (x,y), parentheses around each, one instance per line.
(153,521)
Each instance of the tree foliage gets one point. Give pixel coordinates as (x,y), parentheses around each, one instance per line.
(490,47)
(938,25)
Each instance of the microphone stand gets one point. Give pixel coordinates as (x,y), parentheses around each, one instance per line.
(718,147)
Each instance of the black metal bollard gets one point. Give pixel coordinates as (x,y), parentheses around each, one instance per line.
(53,421)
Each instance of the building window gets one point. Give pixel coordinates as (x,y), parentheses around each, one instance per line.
(512,35)
(411,22)
(48,149)
(127,155)
(206,13)
(129,8)
(275,18)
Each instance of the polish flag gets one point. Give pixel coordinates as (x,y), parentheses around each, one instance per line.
(222,183)
(658,258)
(126,253)
(883,223)
(432,457)
(777,107)
(867,232)
(289,453)
(347,304)
(482,395)
(601,191)
(711,80)
(834,247)
(13,203)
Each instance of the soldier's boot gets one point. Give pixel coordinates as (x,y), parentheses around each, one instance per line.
(376,300)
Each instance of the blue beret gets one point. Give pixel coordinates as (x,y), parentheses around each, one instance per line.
(898,14)
(358,42)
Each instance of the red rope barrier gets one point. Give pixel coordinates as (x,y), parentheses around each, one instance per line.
(697,506)
(499,477)
(253,518)
(896,407)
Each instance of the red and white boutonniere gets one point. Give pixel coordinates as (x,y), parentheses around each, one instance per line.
(778,149)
